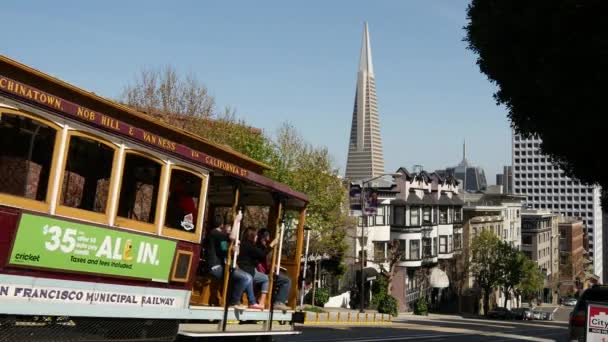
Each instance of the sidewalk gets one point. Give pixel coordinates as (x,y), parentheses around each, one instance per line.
(334,316)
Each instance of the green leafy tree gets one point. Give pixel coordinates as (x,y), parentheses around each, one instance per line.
(485,264)
(511,262)
(549,62)
(310,170)
(532,280)
(225,128)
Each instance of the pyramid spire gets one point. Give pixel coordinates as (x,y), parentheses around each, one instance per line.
(365,59)
(365,158)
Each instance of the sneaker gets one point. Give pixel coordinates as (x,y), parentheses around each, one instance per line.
(256,307)
(281,306)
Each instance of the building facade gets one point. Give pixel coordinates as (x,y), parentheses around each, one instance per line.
(571,255)
(540,242)
(426,223)
(496,212)
(367,241)
(365,159)
(545,186)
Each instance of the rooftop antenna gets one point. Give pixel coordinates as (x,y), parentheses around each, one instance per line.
(418,168)
(464,149)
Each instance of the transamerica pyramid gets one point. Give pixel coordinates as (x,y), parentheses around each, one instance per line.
(365,159)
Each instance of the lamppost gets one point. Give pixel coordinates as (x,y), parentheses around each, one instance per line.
(307,229)
(364,246)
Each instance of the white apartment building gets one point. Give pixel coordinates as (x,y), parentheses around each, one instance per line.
(426,220)
(545,186)
(367,241)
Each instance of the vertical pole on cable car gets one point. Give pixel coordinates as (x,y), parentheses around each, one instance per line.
(307,229)
(277,269)
(235,254)
(232,263)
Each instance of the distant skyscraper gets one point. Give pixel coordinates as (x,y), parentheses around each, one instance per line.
(499,179)
(473,178)
(545,186)
(506,179)
(365,157)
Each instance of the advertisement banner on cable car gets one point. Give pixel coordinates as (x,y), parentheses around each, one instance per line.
(47,242)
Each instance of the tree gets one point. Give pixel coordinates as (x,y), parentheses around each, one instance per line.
(310,170)
(225,128)
(185,102)
(485,264)
(289,147)
(163,93)
(395,254)
(531,281)
(511,262)
(548,59)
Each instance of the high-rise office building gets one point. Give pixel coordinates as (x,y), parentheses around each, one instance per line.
(547,187)
(506,179)
(499,179)
(365,159)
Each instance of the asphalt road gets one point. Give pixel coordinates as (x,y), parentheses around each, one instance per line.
(437,328)
(563,313)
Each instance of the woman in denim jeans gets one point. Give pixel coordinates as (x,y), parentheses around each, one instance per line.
(216,252)
(249,256)
(281,282)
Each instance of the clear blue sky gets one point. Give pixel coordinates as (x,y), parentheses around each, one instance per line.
(281,61)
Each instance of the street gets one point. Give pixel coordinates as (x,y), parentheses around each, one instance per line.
(439,328)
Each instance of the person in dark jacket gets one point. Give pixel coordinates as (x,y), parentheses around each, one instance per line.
(216,252)
(281,282)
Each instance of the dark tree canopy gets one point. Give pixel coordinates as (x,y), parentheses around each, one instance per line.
(549,60)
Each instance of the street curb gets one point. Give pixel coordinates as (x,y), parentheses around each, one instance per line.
(346,318)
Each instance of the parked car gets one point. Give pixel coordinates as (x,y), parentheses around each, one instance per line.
(522,313)
(500,312)
(569,301)
(537,315)
(578,316)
